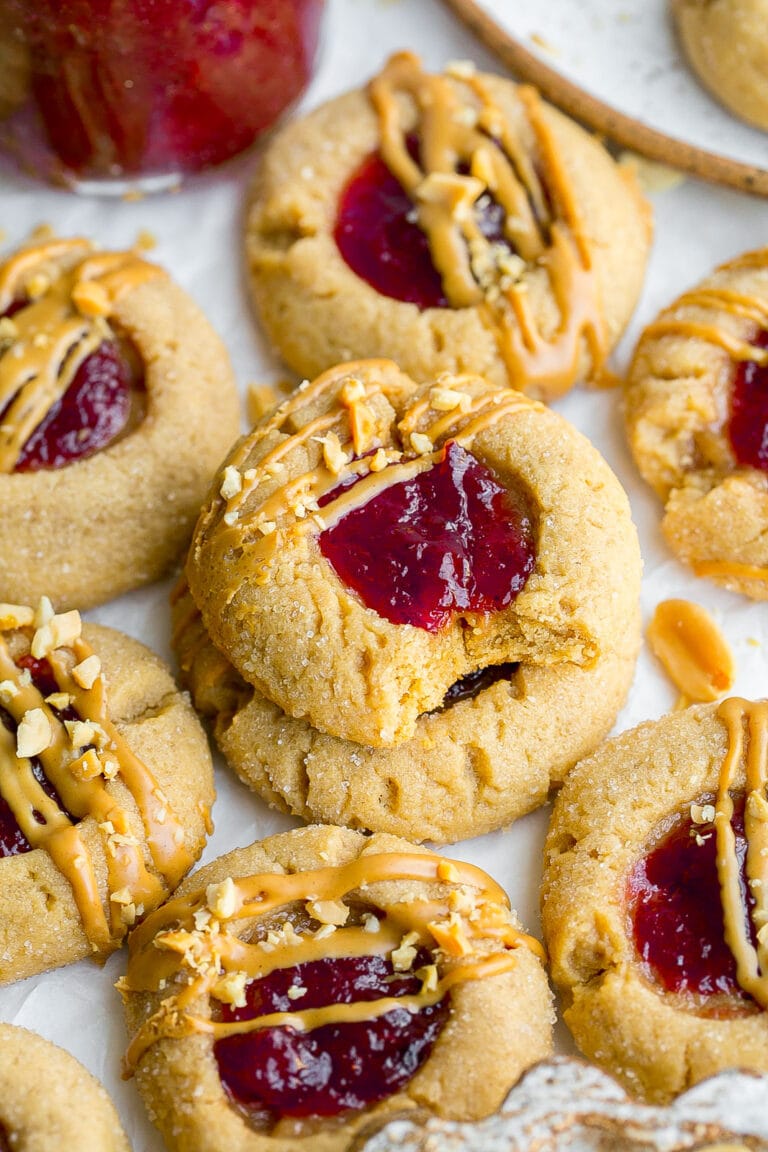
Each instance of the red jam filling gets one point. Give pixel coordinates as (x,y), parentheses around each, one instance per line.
(13,842)
(675,909)
(136,87)
(91,413)
(278,1072)
(378,237)
(450,540)
(748,426)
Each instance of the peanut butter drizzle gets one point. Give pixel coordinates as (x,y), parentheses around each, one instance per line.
(190,942)
(458,125)
(71,292)
(716,299)
(293,510)
(692,649)
(85,794)
(729,569)
(751,962)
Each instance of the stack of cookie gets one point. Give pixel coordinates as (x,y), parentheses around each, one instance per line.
(410,608)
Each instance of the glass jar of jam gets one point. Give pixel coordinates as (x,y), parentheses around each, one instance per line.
(110,94)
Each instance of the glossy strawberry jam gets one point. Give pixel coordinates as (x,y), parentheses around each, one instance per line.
(91,413)
(450,540)
(378,237)
(337,1067)
(13,842)
(675,909)
(748,426)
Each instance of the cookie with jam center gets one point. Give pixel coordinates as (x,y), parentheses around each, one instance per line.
(451,222)
(297,988)
(371,542)
(49,1100)
(726,44)
(490,753)
(108,375)
(106,785)
(696,411)
(654,899)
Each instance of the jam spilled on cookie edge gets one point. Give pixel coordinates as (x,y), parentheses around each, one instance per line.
(454,211)
(55,724)
(363,467)
(69,385)
(697,901)
(327,975)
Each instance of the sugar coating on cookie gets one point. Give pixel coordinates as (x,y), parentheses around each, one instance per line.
(107,374)
(726,43)
(451,222)
(487,755)
(50,1101)
(274,602)
(697,420)
(246,995)
(105,788)
(654,898)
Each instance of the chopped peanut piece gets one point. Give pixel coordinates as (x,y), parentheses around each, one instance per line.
(421,443)
(403,957)
(7,691)
(60,631)
(87,766)
(33,734)
(222,898)
(334,457)
(232,482)
(230,989)
(16,616)
(87,672)
(328,911)
(451,936)
(446,399)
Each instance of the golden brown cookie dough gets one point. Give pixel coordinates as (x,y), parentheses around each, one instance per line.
(538,315)
(117,519)
(678,404)
(273,603)
(132,770)
(49,1102)
(726,43)
(498,1025)
(613,808)
(472,766)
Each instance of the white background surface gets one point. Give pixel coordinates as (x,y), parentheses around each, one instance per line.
(198,232)
(625,52)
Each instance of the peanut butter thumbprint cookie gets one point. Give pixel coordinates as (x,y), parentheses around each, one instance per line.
(108,377)
(375,551)
(451,222)
(106,784)
(655,898)
(697,421)
(726,43)
(293,990)
(72,1111)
